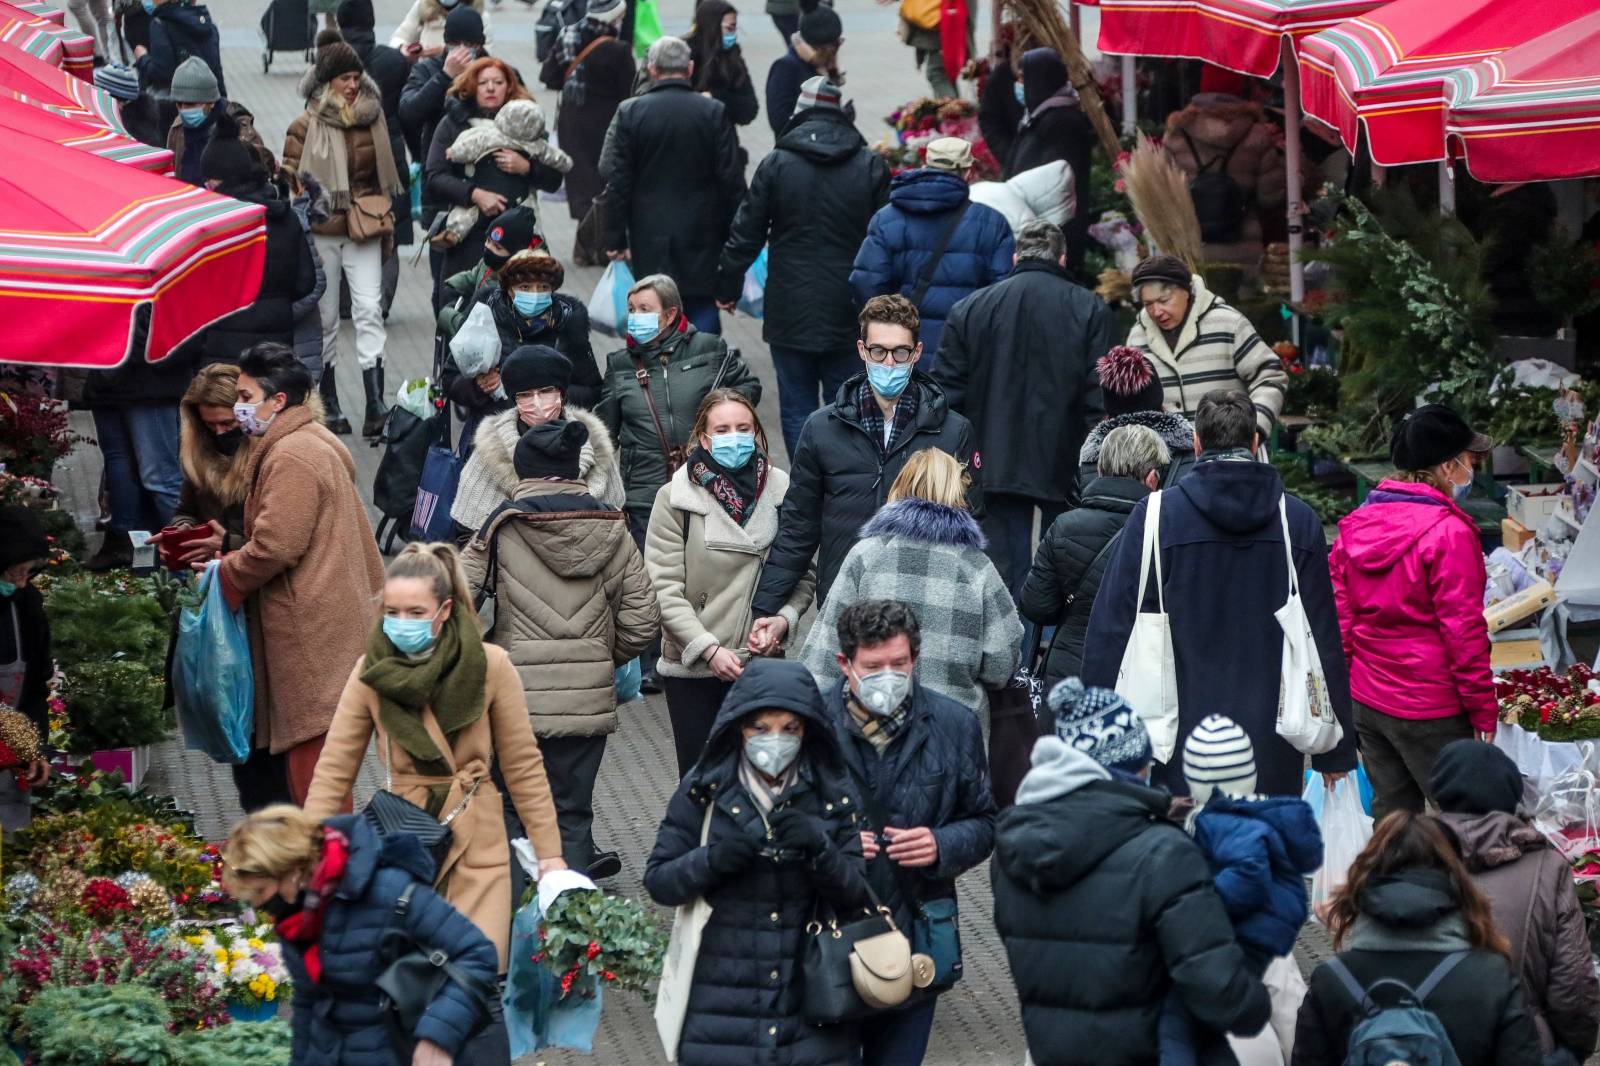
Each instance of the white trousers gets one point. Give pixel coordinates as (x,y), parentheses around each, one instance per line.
(362,265)
(94,18)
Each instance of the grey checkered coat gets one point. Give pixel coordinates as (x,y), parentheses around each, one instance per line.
(931,558)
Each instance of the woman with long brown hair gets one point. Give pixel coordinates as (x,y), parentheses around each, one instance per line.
(1409,912)
(507,178)
(710,530)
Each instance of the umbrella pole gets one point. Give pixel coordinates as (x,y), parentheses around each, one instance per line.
(1447,189)
(1130,97)
(1291,164)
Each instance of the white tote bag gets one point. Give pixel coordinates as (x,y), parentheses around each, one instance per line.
(677,971)
(1148,676)
(1305,711)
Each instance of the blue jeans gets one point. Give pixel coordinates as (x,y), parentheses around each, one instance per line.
(800,374)
(1008,523)
(140,447)
(702,311)
(898,1038)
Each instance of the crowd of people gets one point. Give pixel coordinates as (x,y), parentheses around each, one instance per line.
(977,476)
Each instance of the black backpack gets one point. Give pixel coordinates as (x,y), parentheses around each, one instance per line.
(405,441)
(1219,201)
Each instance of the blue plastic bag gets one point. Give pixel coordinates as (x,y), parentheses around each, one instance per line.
(753,297)
(608,307)
(628,677)
(536,1015)
(213,683)
(1363,790)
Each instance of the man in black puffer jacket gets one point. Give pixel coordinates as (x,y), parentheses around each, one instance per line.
(178,29)
(1065,576)
(1105,907)
(851,451)
(809,203)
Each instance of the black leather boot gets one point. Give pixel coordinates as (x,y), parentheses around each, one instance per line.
(335,419)
(372,382)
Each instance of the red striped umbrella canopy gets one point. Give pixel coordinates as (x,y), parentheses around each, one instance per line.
(1531,113)
(32,80)
(1387,69)
(85,242)
(1241,35)
(23,117)
(45,37)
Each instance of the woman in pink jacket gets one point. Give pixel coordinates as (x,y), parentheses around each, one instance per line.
(1408,578)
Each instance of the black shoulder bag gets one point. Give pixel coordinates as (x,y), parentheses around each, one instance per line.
(412,979)
(925,276)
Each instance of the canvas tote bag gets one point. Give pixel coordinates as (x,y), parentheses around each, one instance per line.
(1305,711)
(1148,676)
(677,970)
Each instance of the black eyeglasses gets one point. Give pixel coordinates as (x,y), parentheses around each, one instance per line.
(877,353)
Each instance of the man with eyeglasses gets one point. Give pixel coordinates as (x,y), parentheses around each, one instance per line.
(850,453)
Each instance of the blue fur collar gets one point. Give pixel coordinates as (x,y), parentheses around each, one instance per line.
(926,521)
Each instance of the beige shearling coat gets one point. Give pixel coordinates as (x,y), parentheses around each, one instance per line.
(311,574)
(476,875)
(705,571)
(573,603)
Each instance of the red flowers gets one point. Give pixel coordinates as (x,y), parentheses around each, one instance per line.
(594,948)
(103,899)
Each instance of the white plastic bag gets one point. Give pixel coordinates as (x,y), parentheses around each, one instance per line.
(608,307)
(1305,710)
(1346,828)
(1148,676)
(416,396)
(677,970)
(476,345)
(1274,1044)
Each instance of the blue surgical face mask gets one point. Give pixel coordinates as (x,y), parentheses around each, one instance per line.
(529,304)
(192,116)
(149,6)
(732,450)
(888,380)
(772,753)
(643,326)
(410,636)
(1022,97)
(1461,492)
(729,40)
(7,589)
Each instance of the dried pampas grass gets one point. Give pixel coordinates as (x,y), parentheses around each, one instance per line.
(1159,190)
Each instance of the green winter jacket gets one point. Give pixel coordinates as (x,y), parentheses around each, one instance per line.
(683,367)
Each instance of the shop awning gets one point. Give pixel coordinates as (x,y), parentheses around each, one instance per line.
(46,37)
(1242,35)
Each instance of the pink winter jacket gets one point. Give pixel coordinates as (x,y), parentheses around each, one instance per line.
(1408,579)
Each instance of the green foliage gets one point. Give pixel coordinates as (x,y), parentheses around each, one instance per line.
(115,704)
(1348,439)
(241,1044)
(126,1025)
(95,620)
(1330,504)
(1564,273)
(590,937)
(63,532)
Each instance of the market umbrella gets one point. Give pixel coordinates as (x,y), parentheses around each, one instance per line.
(32,80)
(1242,35)
(107,144)
(85,242)
(1386,70)
(1531,113)
(42,36)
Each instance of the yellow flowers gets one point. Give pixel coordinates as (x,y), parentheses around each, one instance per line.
(264,987)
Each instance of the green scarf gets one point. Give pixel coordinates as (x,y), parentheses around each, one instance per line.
(450,681)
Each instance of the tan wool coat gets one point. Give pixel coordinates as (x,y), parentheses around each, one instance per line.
(311,573)
(476,875)
(573,602)
(705,568)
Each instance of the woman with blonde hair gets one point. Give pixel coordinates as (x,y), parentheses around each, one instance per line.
(332,888)
(925,550)
(445,709)
(710,529)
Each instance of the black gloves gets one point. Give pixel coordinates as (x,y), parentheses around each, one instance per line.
(732,855)
(799,832)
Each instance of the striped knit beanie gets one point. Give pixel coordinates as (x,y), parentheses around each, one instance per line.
(819,92)
(120,81)
(1099,723)
(1218,757)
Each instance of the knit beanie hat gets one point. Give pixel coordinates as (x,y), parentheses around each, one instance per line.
(1168,268)
(1218,757)
(22,537)
(121,82)
(821,27)
(194,83)
(513,230)
(551,449)
(334,59)
(819,92)
(1471,777)
(355,15)
(535,366)
(463,26)
(229,161)
(607,11)
(1129,382)
(1099,723)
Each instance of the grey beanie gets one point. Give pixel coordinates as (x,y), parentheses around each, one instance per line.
(194,83)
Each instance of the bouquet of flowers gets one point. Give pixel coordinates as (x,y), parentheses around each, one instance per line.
(591,938)
(247,964)
(19,744)
(33,429)
(927,119)
(1558,707)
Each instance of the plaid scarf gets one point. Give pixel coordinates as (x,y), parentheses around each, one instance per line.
(573,40)
(905,413)
(880,730)
(736,491)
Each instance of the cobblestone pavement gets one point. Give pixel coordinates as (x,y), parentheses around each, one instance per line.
(977,1023)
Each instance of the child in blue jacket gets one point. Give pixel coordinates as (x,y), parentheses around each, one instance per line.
(1260,850)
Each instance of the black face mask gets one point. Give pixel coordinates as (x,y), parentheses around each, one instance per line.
(228,442)
(495,260)
(277,908)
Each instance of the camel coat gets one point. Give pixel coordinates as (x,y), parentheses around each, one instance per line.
(476,875)
(309,572)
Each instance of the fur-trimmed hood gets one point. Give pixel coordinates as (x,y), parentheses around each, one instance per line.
(1176,432)
(924,520)
(496,441)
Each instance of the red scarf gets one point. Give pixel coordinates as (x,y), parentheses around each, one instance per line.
(303,927)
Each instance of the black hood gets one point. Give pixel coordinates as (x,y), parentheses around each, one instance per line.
(192,20)
(1051,846)
(1471,777)
(1410,899)
(1237,496)
(822,134)
(1114,494)
(769,685)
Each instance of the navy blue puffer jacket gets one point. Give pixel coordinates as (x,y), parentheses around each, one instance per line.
(336,1022)
(903,235)
(1261,851)
(746,1001)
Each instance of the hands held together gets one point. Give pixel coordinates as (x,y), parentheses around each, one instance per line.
(767,635)
(908,847)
